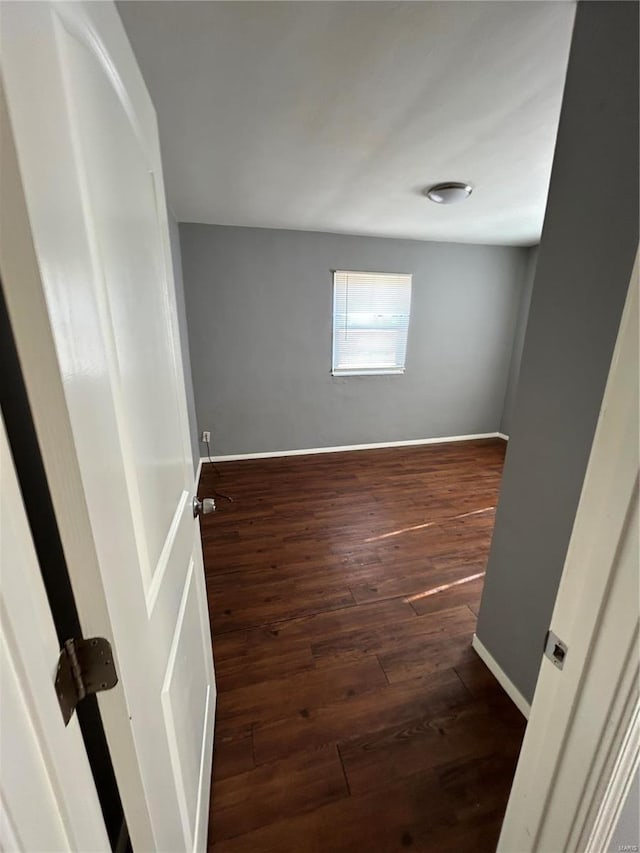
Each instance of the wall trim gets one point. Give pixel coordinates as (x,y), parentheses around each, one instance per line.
(233,457)
(618,788)
(503,679)
(502,435)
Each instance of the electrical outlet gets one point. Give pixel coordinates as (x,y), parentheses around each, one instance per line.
(206,437)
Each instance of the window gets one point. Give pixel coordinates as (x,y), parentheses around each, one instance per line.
(370,322)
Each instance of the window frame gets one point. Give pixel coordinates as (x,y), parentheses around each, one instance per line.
(366,371)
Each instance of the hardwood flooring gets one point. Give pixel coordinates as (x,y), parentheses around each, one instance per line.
(352,713)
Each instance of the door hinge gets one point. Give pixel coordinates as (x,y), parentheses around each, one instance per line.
(84,667)
(555,649)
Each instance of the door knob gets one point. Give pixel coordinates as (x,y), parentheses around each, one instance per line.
(203,507)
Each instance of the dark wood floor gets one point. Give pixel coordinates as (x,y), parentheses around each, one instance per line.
(353,715)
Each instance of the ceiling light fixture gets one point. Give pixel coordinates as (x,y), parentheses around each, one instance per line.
(449,192)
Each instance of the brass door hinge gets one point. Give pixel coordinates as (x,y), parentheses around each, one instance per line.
(84,667)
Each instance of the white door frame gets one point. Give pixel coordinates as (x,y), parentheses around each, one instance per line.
(27,310)
(581,747)
(41,761)
(34,342)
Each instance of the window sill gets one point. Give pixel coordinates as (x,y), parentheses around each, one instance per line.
(391,372)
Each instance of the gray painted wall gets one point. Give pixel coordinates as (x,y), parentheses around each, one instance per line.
(584,266)
(259,305)
(176,258)
(518,341)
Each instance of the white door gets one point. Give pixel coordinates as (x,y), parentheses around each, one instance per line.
(115,438)
(41,761)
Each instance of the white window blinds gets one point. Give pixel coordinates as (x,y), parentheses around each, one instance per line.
(370,322)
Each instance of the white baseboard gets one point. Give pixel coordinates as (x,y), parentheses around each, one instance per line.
(503,680)
(502,435)
(233,457)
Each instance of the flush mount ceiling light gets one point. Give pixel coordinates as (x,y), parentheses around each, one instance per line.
(449,192)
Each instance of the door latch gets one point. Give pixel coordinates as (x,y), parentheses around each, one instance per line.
(555,650)
(84,667)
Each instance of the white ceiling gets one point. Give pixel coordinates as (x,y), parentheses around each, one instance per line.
(333,116)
